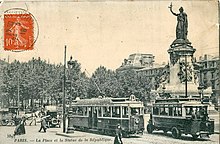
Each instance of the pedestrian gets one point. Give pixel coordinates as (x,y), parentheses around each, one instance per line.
(43,124)
(33,116)
(20,128)
(118,136)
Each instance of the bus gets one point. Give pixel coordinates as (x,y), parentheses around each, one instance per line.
(103,115)
(181,116)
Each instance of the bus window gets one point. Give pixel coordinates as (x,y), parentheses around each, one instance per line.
(164,111)
(203,113)
(197,112)
(170,111)
(200,113)
(155,110)
(106,112)
(189,110)
(116,111)
(125,112)
(177,111)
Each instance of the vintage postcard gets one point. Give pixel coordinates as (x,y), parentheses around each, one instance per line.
(109,71)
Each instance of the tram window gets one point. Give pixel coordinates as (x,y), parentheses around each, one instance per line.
(74,110)
(79,111)
(125,112)
(99,112)
(116,111)
(141,111)
(85,111)
(135,111)
(106,112)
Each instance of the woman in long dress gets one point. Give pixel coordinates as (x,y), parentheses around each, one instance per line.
(20,128)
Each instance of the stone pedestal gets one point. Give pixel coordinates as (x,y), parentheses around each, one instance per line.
(182,70)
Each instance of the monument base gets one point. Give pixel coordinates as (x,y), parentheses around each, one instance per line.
(179,91)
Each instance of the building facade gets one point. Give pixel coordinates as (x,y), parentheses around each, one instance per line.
(209,73)
(137,61)
(144,64)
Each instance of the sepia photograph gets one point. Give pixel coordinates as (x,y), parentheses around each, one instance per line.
(109,71)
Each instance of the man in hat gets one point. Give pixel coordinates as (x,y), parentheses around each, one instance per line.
(118,136)
(43,124)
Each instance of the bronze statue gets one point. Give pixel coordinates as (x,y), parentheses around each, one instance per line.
(182,23)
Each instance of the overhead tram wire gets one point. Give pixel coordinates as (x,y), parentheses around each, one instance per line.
(94,83)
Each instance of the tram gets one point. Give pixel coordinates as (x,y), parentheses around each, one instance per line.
(103,115)
(181,116)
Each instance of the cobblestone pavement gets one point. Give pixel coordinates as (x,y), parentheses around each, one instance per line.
(33,136)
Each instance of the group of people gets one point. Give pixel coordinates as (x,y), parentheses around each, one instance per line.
(20,127)
(21,122)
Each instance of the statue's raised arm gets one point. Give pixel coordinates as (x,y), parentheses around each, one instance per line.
(171,10)
(182,23)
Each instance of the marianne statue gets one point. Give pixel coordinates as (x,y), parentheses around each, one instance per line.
(182,23)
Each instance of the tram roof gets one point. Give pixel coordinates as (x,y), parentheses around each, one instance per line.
(104,101)
(178,100)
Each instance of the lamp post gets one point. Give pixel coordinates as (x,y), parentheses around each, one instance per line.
(70,65)
(64,93)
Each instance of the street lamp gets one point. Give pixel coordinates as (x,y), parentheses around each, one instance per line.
(64,92)
(70,65)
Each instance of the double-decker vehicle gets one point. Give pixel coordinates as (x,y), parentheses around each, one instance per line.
(181,116)
(103,115)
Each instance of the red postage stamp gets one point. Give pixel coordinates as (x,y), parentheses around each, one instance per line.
(18,32)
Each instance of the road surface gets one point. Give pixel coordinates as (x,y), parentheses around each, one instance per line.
(50,137)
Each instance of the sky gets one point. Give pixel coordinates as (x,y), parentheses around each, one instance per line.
(105,33)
